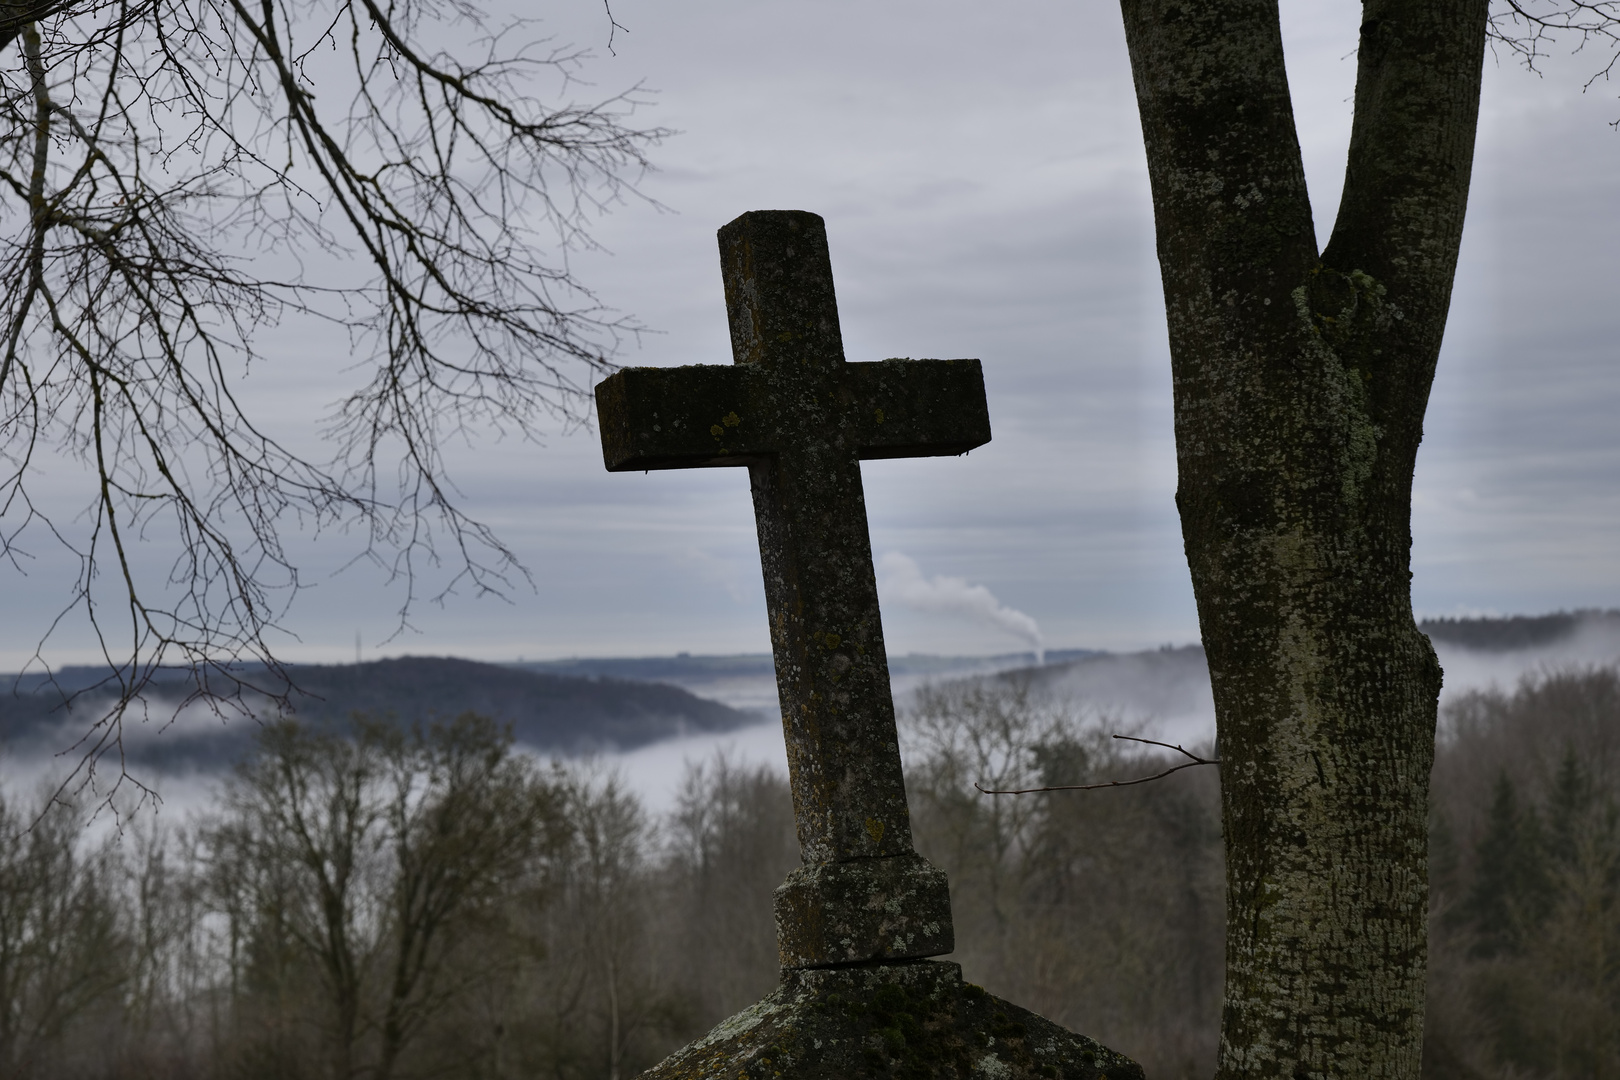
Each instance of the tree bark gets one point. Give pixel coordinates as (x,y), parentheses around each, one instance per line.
(1300,383)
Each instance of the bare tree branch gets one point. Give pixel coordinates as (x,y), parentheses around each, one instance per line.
(1526,28)
(179,178)
(1196,760)
(614,26)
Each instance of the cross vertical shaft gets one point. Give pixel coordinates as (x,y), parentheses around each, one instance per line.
(832,671)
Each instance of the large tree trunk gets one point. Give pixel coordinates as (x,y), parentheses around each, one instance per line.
(1300,386)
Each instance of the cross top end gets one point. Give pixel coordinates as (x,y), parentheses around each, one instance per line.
(779,289)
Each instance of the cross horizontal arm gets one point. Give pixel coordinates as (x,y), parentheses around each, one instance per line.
(707,415)
(919,408)
(684,417)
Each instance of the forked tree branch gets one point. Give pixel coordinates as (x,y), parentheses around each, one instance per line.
(1528,27)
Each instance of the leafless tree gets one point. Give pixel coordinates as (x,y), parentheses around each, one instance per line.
(1530,29)
(1526,908)
(731,843)
(361,866)
(178,179)
(972,733)
(467,822)
(168,974)
(1101,911)
(598,1003)
(62,949)
(610,835)
(1301,376)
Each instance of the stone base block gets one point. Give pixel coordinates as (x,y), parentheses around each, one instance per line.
(897,908)
(908,1021)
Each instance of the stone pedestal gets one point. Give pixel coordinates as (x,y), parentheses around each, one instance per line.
(913,1020)
(897,908)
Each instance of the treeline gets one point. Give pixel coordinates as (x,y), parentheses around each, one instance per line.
(1519,631)
(372,902)
(1525,841)
(376,903)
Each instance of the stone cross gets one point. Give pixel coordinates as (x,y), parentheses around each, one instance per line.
(801,419)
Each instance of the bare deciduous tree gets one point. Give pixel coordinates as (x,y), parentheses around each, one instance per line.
(1102,912)
(609,838)
(972,733)
(467,820)
(62,948)
(180,177)
(732,842)
(358,867)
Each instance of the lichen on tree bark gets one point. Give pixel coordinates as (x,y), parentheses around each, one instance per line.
(1300,382)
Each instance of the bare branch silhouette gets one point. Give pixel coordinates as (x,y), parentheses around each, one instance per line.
(1196,760)
(1526,28)
(178,179)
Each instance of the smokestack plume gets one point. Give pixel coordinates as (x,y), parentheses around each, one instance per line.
(901,581)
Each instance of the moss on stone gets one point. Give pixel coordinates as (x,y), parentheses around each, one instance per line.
(907,1021)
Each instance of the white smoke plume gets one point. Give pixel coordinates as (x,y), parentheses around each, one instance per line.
(902,582)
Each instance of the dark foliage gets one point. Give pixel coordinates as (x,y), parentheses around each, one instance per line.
(1525,953)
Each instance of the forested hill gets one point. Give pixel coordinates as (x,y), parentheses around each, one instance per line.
(547,711)
(684,669)
(557,713)
(579,705)
(1518,631)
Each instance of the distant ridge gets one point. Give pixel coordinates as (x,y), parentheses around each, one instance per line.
(1487,634)
(549,712)
(684,667)
(1168,688)
(621,703)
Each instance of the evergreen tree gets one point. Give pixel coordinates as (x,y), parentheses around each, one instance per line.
(1510,889)
(1567,804)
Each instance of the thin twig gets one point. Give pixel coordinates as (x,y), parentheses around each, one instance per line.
(613,26)
(1196,760)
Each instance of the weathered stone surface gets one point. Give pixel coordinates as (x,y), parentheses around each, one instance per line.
(851,922)
(801,419)
(886,909)
(911,1021)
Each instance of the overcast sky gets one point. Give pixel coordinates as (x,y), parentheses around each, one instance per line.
(981,171)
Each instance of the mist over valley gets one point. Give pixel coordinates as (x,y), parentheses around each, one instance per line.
(649,718)
(642,820)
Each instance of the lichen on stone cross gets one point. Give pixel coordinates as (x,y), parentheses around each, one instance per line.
(801,419)
(856,920)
